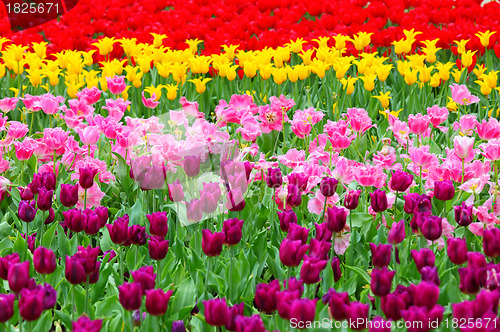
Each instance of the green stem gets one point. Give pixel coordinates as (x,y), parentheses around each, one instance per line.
(87,296)
(74,304)
(120,260)
(231,266)
(85,200)
(209,260)
(323,212)
(158,273)
(395,207)
(463,170)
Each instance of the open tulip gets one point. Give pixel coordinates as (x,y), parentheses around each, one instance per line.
(157,301)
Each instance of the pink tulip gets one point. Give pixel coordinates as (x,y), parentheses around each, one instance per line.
(359,120)
(418,123)
(91,96)
(464,147)
(437,114)
(488,130)
(461,95)
(491,150)
(89,135)
(54,138)
(116,85)
(150,102)
(17,129)
(8,104)
(49,103)
(24,149)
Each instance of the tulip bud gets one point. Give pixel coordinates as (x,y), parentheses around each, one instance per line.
(118,231)
(44,260)
(336,218)
(175,192)
(410,202)
(192,165)
(322,232)
(286,218)
(253,323)
(146,277)
(6,307)
(444,190)
(84,324)
(178,326)
(303,311)
(232,229)
(294,196)
(274,178)
(328,186)
(337,272)
(102,213)
(430,274)
(378,201)
(357,315)
(400,181)
(265,296)
(381,282)
(298,233)
(158,223)
(69,194)
(25,193)
(397,233)
(93,223)
(18,276)
(392,304)
(284,300)
(425,294)
(6,262)
(50,218)
(130,296)
(424,257)
(457,250)
(26,211)
(319,248)
(381,254)
(378,324)
(211,243)
(338,303)
(468,281)
(30,304)
(75,220)
(216,312)
(351,199)
(157,301)
(86,180)
(157,248)
(48,180)
(74,271)
(463,214)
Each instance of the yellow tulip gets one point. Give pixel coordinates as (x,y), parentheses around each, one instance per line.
(296,46)
(171,91)
(466,58)
(457,74)
(265,71)
(250,69)
(105,45)
(369,81)
(461,45)
(193,45)
(384,99)
(425,73)
(490,78)
(340,41)
(485,88)
(361,40)
(435,80)
(322,42)
(306,56)
(200,84)
(348,84)
(157,90)
(40,49)
(279,75)
(411,76)
(383,72)
(230,51)
(484,37)
(158,39)
(444,70)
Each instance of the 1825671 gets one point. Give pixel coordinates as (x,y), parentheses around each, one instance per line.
(33,8)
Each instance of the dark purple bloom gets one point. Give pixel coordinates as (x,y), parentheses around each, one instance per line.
(157,301)
(336,218)
(26,211)
(328,186)
(44,260)
(400,181)
(444,190)
(381,282)
(158,223)
(292,252)
(397,233)
(137,235)
(216,312)
(274,178)
(265,296)
(457,250)
(86,179)
(351,199)
(18,276)
(286,218)
(378,200)
(69,194)
(157,248)
(381,254)
(232,229)
(211,243)
(130,296)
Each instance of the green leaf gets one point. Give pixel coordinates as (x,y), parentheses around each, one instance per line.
(48,236)
(136,214)
(44,322)
(360,272)
(184,297)
(63,243)
(20,247)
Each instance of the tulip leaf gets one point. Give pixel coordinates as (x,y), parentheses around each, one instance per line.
(64,317)
(44,322)
(97,288)
(63,242)
(360,272)
(136,214)
(184,297)
(20,247)
(108,307)
(48,236)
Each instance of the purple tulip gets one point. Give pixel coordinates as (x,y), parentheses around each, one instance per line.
(463,214)
(235,200)
(381,282)
(216,312)
(6,262)
(26,211)
(49,296)
(157,301)
(336,218)
(357,314)
(146,277)
(157,248)
(337,302)
(137,235)
(298,179)
(457,250)
(232,229)
(337,272)
(158,223)
(30,304)
(75,220)
(322,232)
(444,190)
(93,222)
(397,233)
(178,326)
(130,296)
(18,276)
(424,257)
(86,179)
(274,178)
(6,307)
(319,249)
(69,195)
(351,199)
(298,233)
(491,242)
(48,180)
(381,254)
(328,186)
(88,258)
(303,311)
(118,231)
(311,269)
(25,193)
(400,181)
(286,218)
(249,324)
(284,300)
(378,201)
(265,296)
(469,284)
(233,313)
(432,228)
(84,324)
(378,324)
(292,252)
(211,243)
(44,260)
(175,192)
(430,274)
(294,196)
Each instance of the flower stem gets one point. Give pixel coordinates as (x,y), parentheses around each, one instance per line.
(74,304)
(87,296)
(41,229)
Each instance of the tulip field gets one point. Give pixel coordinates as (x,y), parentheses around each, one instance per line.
(251,166)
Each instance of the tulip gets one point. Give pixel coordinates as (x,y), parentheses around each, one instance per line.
(18,276)
(337,272)
(274,178)
(351,199)
(193,210)
(319,249)
(216,312)
(69,194)
(381,282)
(25,193)
(265,296)
(468,281)
(192,165)
(74,271)
(234,312)
(6,262)
(298,233)
(400,181)
(311,269)
(322,232)
(175,192)
(178,326)
(444,190)
(336,218)
(84,324)
(491,242)
(158,223)
(30,241)
(286,218)
(392,304)
(86,179)
(6,307)
(146,277)
(294,196)
(249,324)
(397,233)
(44,260)
(130,296)
(208,203)
(430,274)
(26,211)
(292,252)
(338,303)
(378,201)
(118,231)
(381,254)
(102,213)
(357,314)
(88,258)
(421,317)
(30,304)
(151,177)
(157,301)
(425,294)
(157,248)
(463,214)
(476,260)
(137,235)
(235,200)
(424,257)
(211,243)
(49,296)
(93,223)
(410,202)
(94,275)
(432,228)
(457,250)
(328,186)
(50,218)
(232,229)
(284,300)
(378,324)
(75,220)
(298,179)
(48,180)
(303,311)
(294,285)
